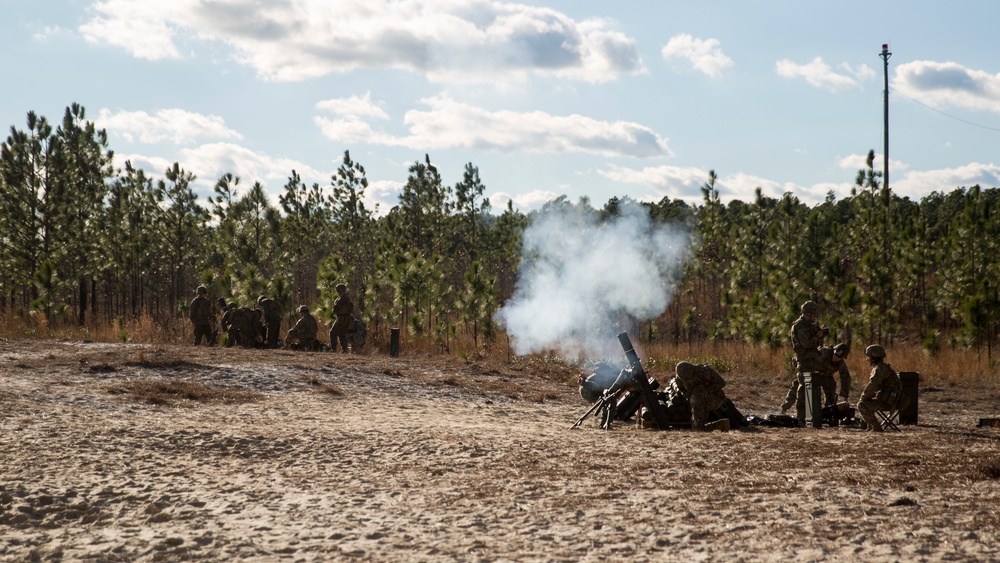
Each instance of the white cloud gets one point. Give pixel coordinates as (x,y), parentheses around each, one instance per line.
(48,32)
(153,166)
(355,106)
(705,55)
(819,74)
(917,184)
(174,125)
(685,184)
(211,160)
(948,84)
(350,126)
(672,181)
(384,194)
(857,162)
(144,29)
(525,203)
(451,124)
(446,40)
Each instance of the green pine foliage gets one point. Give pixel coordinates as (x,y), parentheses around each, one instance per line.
(81,241)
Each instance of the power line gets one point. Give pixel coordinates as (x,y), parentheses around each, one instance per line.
(945,114)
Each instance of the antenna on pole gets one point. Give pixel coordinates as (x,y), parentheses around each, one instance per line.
(885,54)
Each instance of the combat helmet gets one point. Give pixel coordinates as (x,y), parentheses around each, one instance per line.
(842,350)
(303,308)
(202,290)
(341,287)
(684,369)
(261,299)
(875,352)
(810,308)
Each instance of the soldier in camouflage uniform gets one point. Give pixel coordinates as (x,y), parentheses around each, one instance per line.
(271,317)
(834,360)
(343,308)
(593,385)
(807,336)
(831,360)
(702,387)
(883,392)
(302,336)
(232,324)
(202,316)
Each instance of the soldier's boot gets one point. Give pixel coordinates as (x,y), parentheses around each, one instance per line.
(721,425)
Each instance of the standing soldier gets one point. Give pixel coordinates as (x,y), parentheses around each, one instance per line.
(831,360)
(271,314)
(202,316)
(302,336)
(883,392)
(343,308)
(807,337)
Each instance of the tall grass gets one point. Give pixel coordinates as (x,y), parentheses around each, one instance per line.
(950,366)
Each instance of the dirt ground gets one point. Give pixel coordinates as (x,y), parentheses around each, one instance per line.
(113,452)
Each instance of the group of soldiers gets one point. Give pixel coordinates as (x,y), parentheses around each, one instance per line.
(882,393)
(260,327)
(699,388)
(694,395)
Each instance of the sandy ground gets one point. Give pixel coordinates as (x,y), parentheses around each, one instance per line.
(292,456)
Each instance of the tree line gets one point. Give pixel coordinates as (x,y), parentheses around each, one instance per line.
(82,241)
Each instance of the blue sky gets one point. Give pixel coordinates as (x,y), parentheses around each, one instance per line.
(581,98)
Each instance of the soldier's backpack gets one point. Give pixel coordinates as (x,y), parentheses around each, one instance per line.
(358,334)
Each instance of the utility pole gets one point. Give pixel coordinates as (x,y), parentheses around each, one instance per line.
(885,54)
(886,194)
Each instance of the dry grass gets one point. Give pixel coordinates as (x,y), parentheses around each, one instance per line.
(330,389)
(950,367)
(177,391)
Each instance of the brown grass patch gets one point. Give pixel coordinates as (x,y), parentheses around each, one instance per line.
(330,389)
(172,392)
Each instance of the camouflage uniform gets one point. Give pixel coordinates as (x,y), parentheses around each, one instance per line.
(271,315)
(807,337)
(882,386)
(824,375)
(255,328)
(202,316)
(303,334)
(343,308)
(236,323)
(828,365)
(593,385)
(702,387)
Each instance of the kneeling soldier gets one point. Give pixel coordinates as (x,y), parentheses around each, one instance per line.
(302,336)
(702,387)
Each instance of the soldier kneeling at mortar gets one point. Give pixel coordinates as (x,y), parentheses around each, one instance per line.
(702,387)
(593,386)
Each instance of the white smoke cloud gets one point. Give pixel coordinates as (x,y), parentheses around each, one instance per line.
(582,279)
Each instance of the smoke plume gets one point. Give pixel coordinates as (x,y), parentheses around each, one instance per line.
(582,280)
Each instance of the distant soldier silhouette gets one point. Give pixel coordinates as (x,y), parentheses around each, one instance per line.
(271,317)
(343,308)
(302,336)
(202,316)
